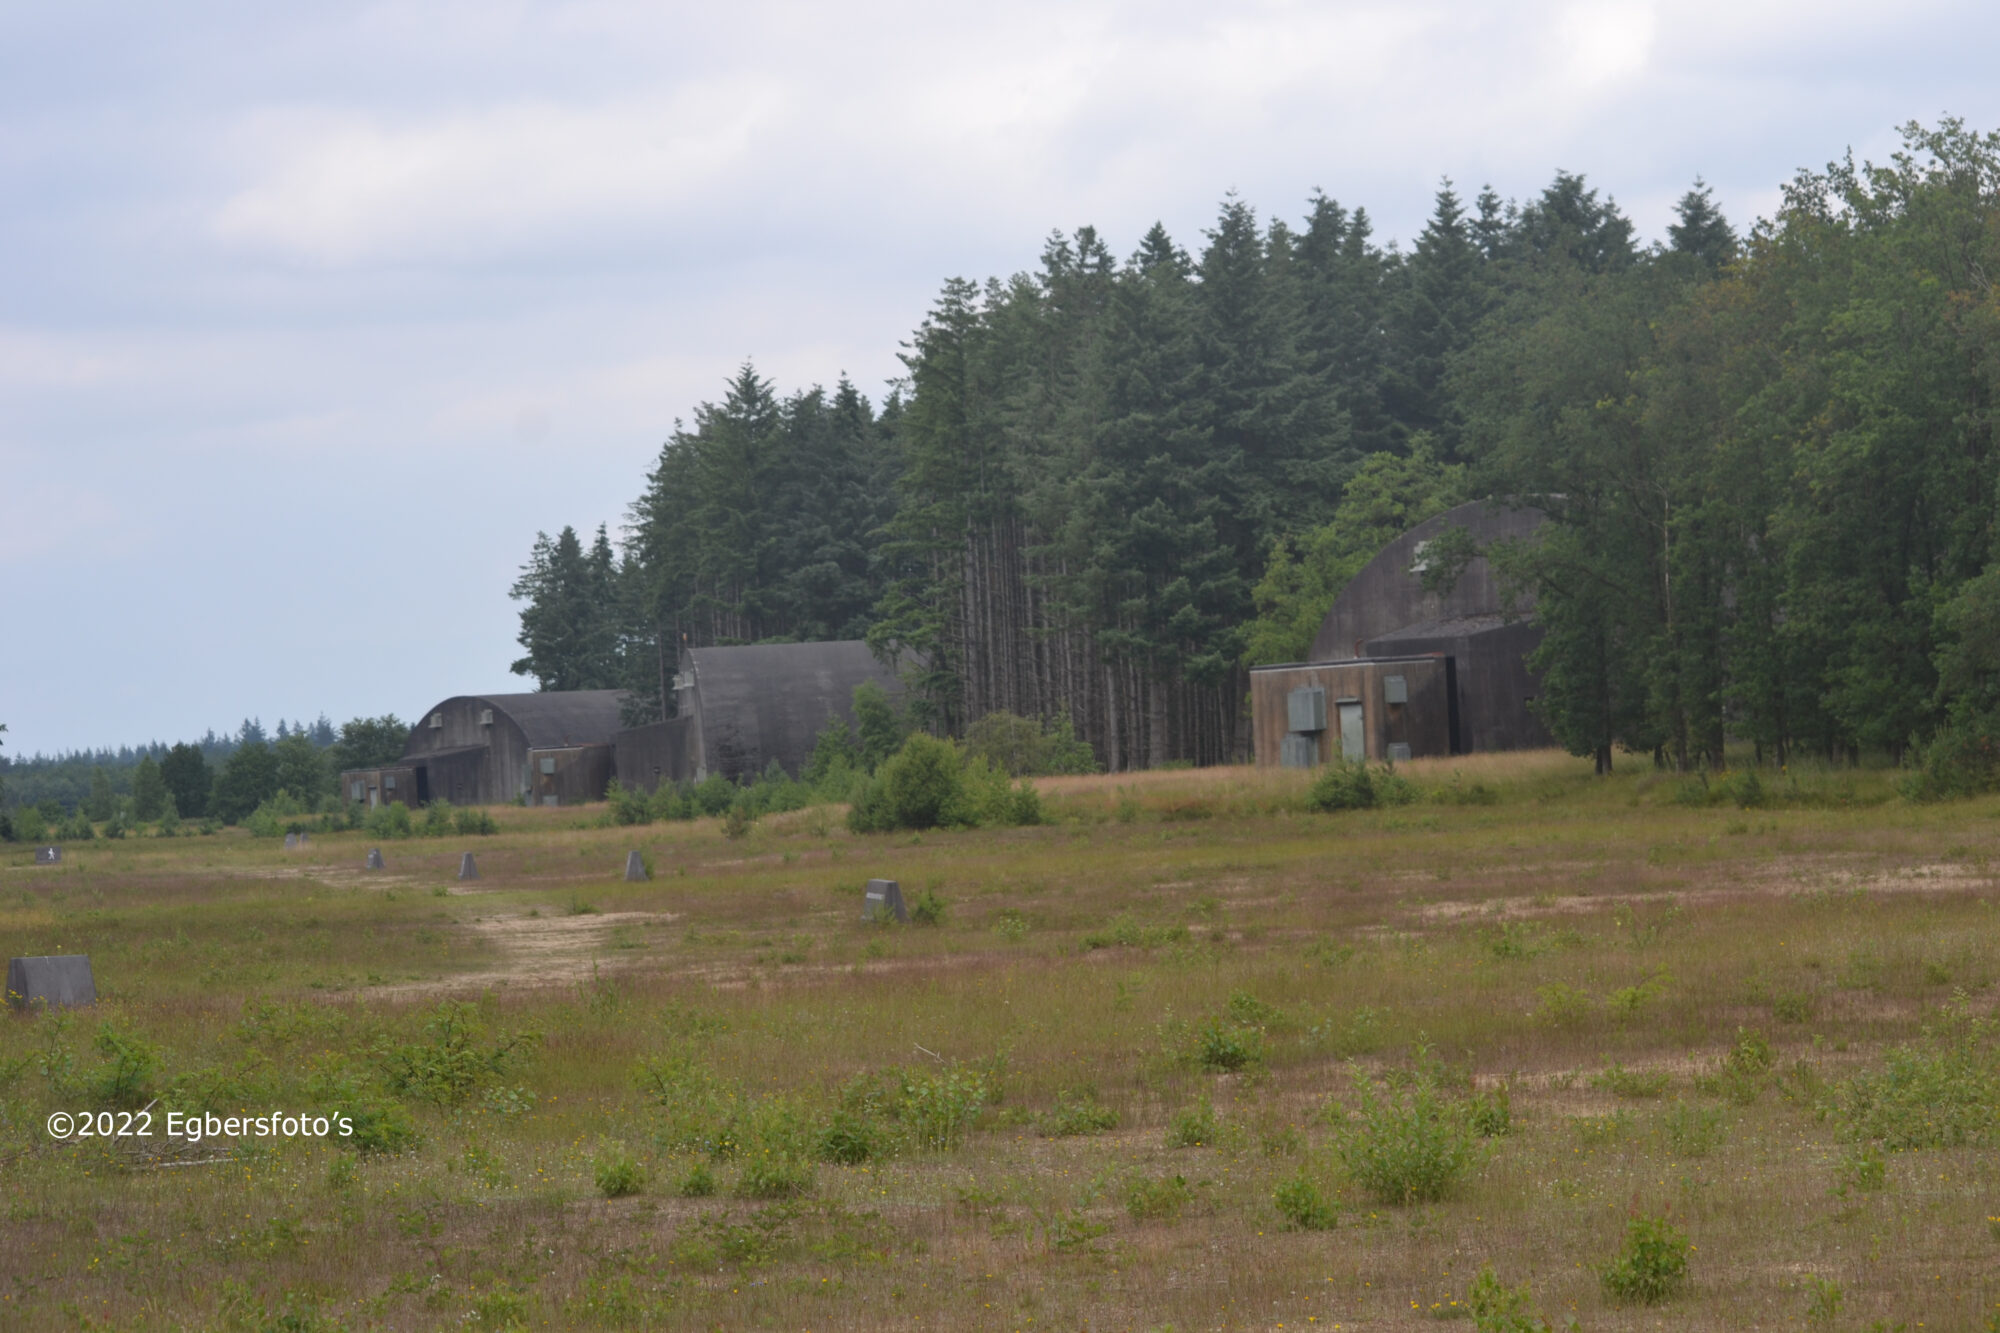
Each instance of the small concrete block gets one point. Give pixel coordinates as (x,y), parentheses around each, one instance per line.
(467,867)
(635,869)
(304,838)
(48,856)
(885,898)
(291,842)
(375,858)
(59,982)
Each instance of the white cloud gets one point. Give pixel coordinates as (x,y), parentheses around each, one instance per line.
(1605,43)
(340,186)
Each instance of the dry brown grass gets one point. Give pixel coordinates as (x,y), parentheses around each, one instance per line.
(1834,930)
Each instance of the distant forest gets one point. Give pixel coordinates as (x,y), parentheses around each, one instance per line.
(224,776)
(1106,488)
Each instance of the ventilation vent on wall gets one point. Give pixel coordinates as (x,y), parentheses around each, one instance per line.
(1395,690)
(437,720)
(549,767)
(389,783)
(1305,710)
(1297,751)
(485,717)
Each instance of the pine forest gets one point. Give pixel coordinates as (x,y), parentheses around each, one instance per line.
(1104,489)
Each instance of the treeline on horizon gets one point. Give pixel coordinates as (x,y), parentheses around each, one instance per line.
(223,776)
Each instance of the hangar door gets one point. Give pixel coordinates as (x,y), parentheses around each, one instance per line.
(1353,746)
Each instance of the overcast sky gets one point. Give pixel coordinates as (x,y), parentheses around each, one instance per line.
(312,314)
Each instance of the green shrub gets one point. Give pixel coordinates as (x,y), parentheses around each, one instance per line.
(698,1182)
(1692,1131)
(772,1173)
(927,909)
(1409,1146)
(1077,1111)
(1157,1199)
(379,1124)
(698,1111)
(1124,930)
(471,821)
(1223,1047)
(1342,786)
(1562,1005)
(1751,1055)
(455,1057)
(131,1065)
(1490,1114)
(1622,1082)
(627,805)
(1651,1267)
(924,783)
(848,1138)
(30,825)
(1023,747)
(389,821)
(1942,1091)
(1498,1308)
(1193,1126)
(1861,1169)
(618,1174)
(438,819)
(937,1107)
(1303,1205)
(1793,1007)
(712,795)
(1962,759)
(1743,788)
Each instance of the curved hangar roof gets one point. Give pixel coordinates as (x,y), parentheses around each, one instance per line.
(549,719)
(1387,596)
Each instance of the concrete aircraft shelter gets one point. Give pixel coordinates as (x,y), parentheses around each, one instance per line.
(1476,697)
(546,748)
(739,709)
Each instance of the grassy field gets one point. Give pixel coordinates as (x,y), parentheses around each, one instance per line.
(1189,1056)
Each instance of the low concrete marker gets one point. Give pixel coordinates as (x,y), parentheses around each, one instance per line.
(885,898)
(291,842)
(635,868)
(467,867)
(375,858)
(59,981)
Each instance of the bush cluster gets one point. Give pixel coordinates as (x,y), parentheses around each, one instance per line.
(1345,785)
(933,783)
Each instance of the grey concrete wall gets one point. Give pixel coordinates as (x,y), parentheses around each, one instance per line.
(1495,686)
(768,701)
(644,757)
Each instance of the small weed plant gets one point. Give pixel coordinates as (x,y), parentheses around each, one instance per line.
(1193,1126)
(1076,1112)
(1652,1267)
(1499,1308)
(1157,1198)
(1304,1205)
(618,1173)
